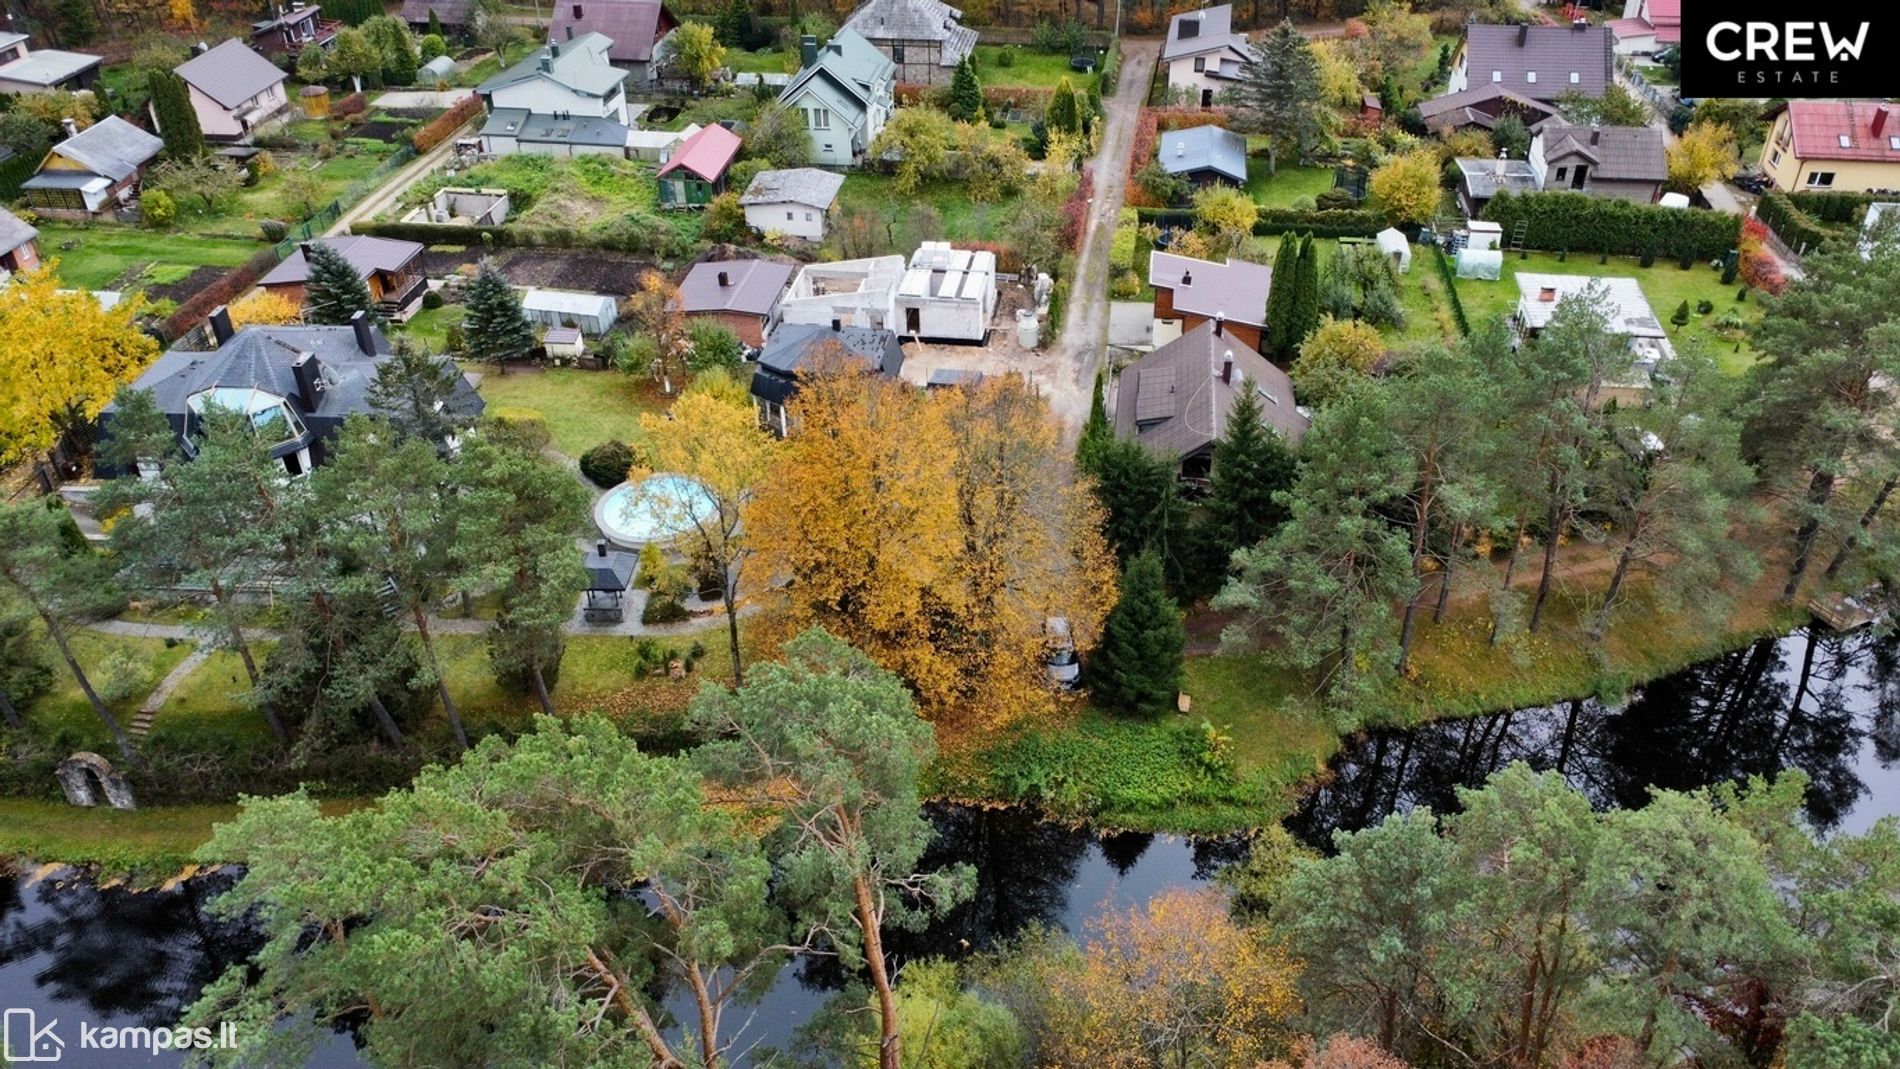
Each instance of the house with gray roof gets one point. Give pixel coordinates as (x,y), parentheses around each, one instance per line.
(290,30)
(796,349)
(458,18)
(94,171)
(794,201)
(296,384)
(391,269)
(563,78)
(740,295)
(1190,292)
(512,130)
(1203,55)
(1539,62)
(1176,401)
(234,91)
(45,70)
(1480,107)
(925,39)
(19,244)
(1204,155)
(1480,179)
(844,93)
(1615,162)
(633,28)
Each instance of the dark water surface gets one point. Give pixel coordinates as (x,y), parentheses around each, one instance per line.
(1824,703)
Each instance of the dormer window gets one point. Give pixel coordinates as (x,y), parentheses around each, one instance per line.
(1846,141)
(1894,143)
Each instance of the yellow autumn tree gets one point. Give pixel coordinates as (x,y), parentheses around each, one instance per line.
(62,358)
(935,532)
(184,14)
(717,445)
(1704,153)
(1174,982)
(262,307)
(1406,187)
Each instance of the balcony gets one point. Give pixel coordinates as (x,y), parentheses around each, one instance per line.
(402,295)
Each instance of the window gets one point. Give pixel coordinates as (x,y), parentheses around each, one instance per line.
(1894,143)
(897,53)
(1774,158)
(827,146)
(808,217)
(1820,179)
(1562,173)
(820,119)
(1531,77)
(1497,76)
(788,216)
(1200,64)
(1846,141)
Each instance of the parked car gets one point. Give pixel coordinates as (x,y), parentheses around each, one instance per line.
(1059,658)
(1752,180)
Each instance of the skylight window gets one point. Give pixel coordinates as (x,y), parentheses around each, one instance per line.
(1576,78)
(1531,77)
(1846,141)
(1497,76)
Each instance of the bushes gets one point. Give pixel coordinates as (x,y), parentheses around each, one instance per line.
(223,291)
(1121,248)
(1800,228)
(526,426)
(442,126)
(157,210)
(1581,223)
(354,104)
(644,239)
(607,464)
(1352,223)
(1111,67)
(1451,288)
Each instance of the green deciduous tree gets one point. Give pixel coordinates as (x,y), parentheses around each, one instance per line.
(1279,95)
(335,290)
(778,136)
(833,744)
(496,328)
(694,53)
(1137,666)
(355,56)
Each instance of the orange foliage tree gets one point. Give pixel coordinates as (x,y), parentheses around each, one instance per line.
(1340,1052)
(934,532)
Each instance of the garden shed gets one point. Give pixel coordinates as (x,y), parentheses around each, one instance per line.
(1481,263)
(592,313)
(436,71)
(1393,245)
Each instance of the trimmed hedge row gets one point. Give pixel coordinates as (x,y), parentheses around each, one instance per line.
(1333,223)
(657,239)
(1829,206)
(1111,68)
(1581,223)
(1451,287)
(224,290)
(442,126)
(1796,228)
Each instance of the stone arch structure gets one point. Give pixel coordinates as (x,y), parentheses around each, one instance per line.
(86,777)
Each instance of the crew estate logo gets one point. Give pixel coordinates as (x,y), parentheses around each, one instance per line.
(1760,50)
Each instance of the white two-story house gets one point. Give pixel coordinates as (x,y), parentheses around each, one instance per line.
(844,92)
(567,79)
(1203,55)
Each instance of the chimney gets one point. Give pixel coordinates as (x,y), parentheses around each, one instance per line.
(1226,366)
(600,546)
(1187,278)
(1880,119)
(71,127)
(837,325)
(365,333)
(1547,294)
(221,331)
(807,50)
(308,374)
(1580,25)
(1220,327)
(1190,26)
(1596,133)
(1523,34)
(570,31)
(724,280)
(1502,156)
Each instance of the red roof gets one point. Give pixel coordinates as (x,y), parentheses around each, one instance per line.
(634,26)
(1819,126)
(706,154)
(1661,11)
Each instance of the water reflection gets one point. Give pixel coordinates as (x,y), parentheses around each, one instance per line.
(1817,701)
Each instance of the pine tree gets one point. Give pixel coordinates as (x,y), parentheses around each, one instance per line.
(177,119)
(1064,113)
(1280,296)
(496,329)
(1304,313)
(1096,430)
(415,391)
(733,24)
(334,291)
(1137,666)
(966,93)
(1251,464)
(1278,95)
(78,24)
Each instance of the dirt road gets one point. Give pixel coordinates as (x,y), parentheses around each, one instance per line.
(1084,335)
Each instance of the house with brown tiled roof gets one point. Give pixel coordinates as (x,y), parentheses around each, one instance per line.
(1615,162)
(1480,107)
(1849,145)
(1539,62)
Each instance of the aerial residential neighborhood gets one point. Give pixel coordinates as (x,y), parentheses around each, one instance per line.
(753,534)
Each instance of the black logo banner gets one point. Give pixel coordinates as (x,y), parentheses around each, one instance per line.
(1756,49)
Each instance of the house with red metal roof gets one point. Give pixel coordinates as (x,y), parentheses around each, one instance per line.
(1847,145)
(1647,27)
(697,172)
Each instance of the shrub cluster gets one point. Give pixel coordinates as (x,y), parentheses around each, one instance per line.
(606,464)
(222,291)
(659,240)
(1582,223)
(442,126)
(1451,288)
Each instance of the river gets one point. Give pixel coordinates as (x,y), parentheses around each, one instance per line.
(1824,703)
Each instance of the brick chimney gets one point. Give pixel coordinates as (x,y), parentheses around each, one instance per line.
(1880,119)
(1227,367)
(807,50)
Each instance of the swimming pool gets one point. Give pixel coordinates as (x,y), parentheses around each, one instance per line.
(658,508)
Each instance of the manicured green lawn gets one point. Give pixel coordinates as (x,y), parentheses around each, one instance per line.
(1421,295)
(1665,285)
(104,252)
(144,661)
(1032,69)
(583,408)
(430,326)
(763,61)
(214,701)
(334,177)
(1290,184)
(152,843)
(597,675)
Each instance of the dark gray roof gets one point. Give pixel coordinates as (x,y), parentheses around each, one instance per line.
(792,347)
(447,12)
(230,74)
(289,17)
(579,64)
(1482,105)
(1191,33)
(1236,289)
(368,255)
(111,147)
(14,231)
(753,287)
(916,20)
(1553,53)
(796,185)
(1483,178)
(634,26)
(539,128)
(1617,153)
(1204,148)
(611,571)
(1174,402)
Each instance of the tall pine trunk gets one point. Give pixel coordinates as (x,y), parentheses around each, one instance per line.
(384,720)
(441,685)
(1421,518)
(889,1045)
(1820,490)
(541,690)
(1559,519)
(1623,560)
(243,647)
(1852,541)
(1444,575)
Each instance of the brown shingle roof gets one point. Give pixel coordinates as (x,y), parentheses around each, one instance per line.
(1619,153)
(1173,400)
(1553,53)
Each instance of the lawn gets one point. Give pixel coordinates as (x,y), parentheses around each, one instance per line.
(1292,183)
(963,219)
(334,177)
(1032,69)
(1665,284)
(430,326)
(113,255)
(583,408)
(213,701)
(1421,295)
(597,194)
(150,843)
(131,665)
(763,61)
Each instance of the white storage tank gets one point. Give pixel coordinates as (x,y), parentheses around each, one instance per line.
(1028,328)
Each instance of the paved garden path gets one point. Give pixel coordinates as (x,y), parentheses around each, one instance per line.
(148,709)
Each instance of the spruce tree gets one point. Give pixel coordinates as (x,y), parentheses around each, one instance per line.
(1304,314)
(415,391)
(1278,95)
(1096,430)
(435,25)
(1251,463)
(966,93)
(334,291)
(1280,295)
(496,329)
(733,25)
(177,119)
(1064,113)
(1137,666)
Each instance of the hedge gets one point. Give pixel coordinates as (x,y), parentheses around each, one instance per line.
(440,128)
(513,235)
(222,291)
(1796,228)
(1111,68)
(1829,206)
(1332,223)
(14,173)
(1451,287)
(1121,249)
(1582,223)
(354,104)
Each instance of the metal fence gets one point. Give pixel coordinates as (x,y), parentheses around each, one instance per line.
(1661,98)
(324,217)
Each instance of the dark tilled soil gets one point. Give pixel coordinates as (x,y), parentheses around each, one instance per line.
(590,271)
(185,288)
(389,132)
